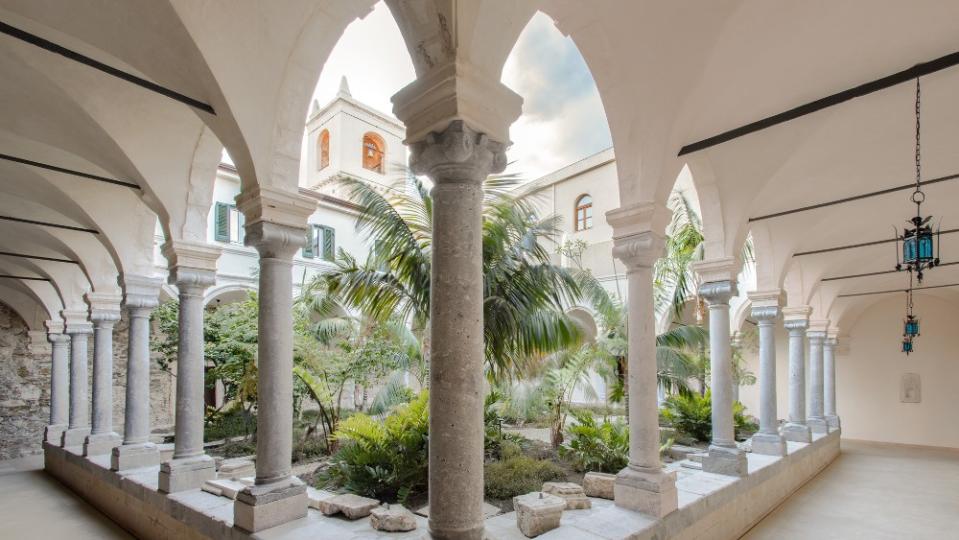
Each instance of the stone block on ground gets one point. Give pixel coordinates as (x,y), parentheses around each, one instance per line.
(236,467)
(392,518)
(597,484)
(350,505)
(538,512)
(572,493)
(223,487)
(680,452)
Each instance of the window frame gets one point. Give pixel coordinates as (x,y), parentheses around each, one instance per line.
(323,147)
(380,144)
(583,213)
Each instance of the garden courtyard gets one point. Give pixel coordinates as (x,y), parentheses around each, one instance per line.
(606,270)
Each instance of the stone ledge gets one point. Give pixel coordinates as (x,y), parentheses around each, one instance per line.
(711,506)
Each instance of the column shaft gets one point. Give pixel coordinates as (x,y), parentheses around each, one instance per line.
(829,383)
(721,374)
(79,399)
(767,441)
(456,361)
(136,419)
(796,428)
(60,380)
(102,378)
(190,374)
(641,371)
(816,420)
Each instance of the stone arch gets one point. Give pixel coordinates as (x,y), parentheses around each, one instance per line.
(227,294)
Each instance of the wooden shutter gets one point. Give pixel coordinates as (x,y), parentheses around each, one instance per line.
(329,243)
(309,251)
(221,227)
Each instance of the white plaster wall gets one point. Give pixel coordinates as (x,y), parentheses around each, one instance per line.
(869,375)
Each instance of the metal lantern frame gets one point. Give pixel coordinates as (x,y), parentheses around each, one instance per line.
(919,250)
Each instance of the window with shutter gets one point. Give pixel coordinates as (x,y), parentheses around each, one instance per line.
(221,225)
(309,250)
(329,243)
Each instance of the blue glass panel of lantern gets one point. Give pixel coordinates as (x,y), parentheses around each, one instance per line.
(912,328)
(925,247)
(906,346)
(909,250)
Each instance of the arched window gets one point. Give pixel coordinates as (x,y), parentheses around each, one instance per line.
(374,152)
(323,150)
(584,213)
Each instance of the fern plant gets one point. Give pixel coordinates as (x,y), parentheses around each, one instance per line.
(386,460)
(597,446)
(691,414)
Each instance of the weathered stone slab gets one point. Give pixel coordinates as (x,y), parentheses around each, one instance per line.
(597,484)
(236,468)
(223,487)
(538,512)
(392,518)
(350,505)
(572,493)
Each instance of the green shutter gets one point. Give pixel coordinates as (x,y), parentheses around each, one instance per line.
(308,252)
(221,228)
(329,243)
(241,226)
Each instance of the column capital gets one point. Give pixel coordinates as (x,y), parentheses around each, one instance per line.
(76,321)
(141,291)
(718,270)
(638,218)
(275,241)
(640,250)
(104,307)
(54,326)
(832,337)
(818,328)
(191,255)
(766,304)
(56,338)
(454,91)
(797,313)
(459,154)
(264,204)
(718,293)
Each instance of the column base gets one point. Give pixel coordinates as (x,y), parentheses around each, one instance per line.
(186,473)
(74,436)
(833,422)
(727,460)
(101,443)
(796,432)
(134,456)
(649,491)
(769,444)
(478,533)
(53,434)
(817,424)
(260,507)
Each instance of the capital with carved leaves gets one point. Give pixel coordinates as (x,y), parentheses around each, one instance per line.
(458,154)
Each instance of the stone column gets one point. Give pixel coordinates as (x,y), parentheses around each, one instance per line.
(141,297)
(735,344)
(829,381)
(643,485)
(104,312)
(276,227)
(79,330)
(765,309)
(718,278)
(59,381)
(192,270)
(816,335)
(796,322)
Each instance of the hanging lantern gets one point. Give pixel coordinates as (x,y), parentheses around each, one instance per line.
(919,251)
(911,326)
(907,346)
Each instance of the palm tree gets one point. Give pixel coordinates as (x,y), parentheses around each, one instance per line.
(524,292)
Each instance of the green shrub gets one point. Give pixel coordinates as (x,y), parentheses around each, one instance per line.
(384,460)
(691,414)
(599,447)
(232,449)
(519,474)
(308,449)
(235,422)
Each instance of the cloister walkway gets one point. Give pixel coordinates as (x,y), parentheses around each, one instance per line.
(873,491)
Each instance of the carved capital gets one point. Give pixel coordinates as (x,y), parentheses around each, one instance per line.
(192,281)
(765,314)
(458,154)
(58,338)
(275,241)
(54,326)
(194,255)
(104,307)
(766,304)
(718,270)
(717,293)
(796,325)
(640,250)
(76,322)
(141,292)
(456,91)
(277,206)
(816,336)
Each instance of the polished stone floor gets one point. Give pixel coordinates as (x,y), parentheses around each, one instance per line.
(876,492)
(34,505)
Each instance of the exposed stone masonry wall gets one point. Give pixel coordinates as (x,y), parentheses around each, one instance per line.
(25,387)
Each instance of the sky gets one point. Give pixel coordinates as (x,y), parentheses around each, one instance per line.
(563,119)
